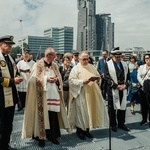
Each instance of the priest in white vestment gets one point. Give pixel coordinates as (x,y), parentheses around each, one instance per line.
(45,112)
(24,67)
(86,106)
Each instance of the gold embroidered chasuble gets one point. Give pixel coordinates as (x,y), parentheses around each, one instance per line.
(36,110)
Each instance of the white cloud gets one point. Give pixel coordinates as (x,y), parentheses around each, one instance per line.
(131,18)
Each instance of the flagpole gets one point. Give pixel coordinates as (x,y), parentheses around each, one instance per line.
(22,36)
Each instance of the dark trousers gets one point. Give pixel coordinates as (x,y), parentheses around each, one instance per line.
(104,88)
(6,124)
(22,96)
(117,117)
(145,106)
(54,132)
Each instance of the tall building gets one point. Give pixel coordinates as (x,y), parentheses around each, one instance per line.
(38,44)
(54,34)
(62,38)
(105,32)
(86,30)
(65,41)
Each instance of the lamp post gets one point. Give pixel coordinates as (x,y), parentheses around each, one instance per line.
(22,36)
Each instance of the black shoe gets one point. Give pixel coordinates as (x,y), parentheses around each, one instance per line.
(49,139)
(124,128)
(35,138)
(81,136)
(55,142)
(143,123)
(41,143)
(114,129)
(19,109)
(87,134)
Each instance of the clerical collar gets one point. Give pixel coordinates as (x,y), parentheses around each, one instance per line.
(27,60)
(47,64)
(5,54)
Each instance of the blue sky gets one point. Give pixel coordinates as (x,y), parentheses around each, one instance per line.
(131,18)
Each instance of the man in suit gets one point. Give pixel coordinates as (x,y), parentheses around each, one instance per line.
(75,59)
(57,59)
(101,68)
(8,92)
(118,76)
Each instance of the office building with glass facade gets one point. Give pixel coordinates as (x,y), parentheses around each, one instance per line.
(38,44)
(105,32)
(62,38)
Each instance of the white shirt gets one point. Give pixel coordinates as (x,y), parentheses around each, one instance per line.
(24,65)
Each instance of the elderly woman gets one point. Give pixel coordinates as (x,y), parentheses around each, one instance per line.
(135,87)
(144,75)
(132,66)
(65,71)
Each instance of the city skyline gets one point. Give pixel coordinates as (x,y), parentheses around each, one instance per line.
(86,28)
(131,18)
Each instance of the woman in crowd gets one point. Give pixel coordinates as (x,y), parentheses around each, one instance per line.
(144,75)
(131,65)
(135,87)
(65,71)
(70,55)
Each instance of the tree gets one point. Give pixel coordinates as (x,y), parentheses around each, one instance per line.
(18,49)
(25,46)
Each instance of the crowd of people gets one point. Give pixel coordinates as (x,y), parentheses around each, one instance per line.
(69,92)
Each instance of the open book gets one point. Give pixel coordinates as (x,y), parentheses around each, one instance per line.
(94,78)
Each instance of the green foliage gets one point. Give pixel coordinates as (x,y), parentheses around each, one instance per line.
(18,49)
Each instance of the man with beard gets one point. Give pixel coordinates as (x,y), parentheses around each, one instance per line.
(8,92)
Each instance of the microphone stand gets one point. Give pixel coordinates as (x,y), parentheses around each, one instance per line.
(109,112)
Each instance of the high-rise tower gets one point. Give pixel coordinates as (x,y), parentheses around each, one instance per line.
(105,32)
(86,32)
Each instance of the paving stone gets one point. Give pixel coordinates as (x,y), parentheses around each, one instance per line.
(136,139)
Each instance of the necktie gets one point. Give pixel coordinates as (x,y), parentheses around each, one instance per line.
(118,64)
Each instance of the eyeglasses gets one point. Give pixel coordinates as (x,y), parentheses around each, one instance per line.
(50,54)
(118,56)
(76,55)
(85,59)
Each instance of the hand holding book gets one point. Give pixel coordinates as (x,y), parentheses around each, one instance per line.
(94,78)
